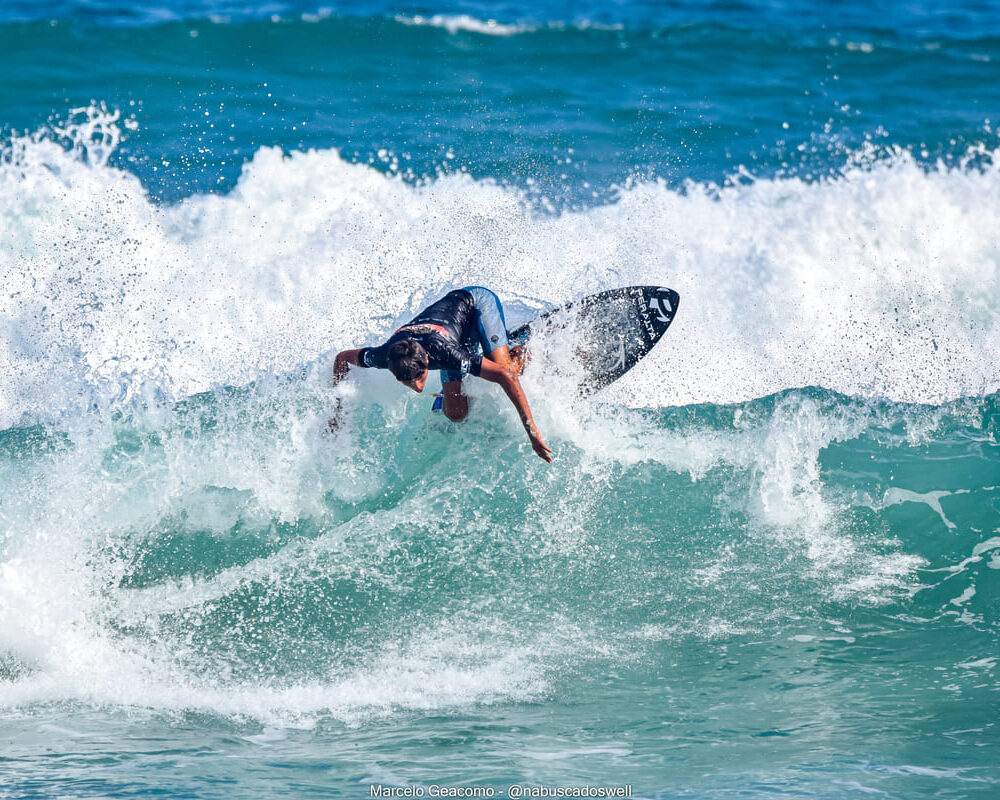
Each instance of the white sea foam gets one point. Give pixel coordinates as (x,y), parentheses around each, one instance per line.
(453,23)
(883,282)
(432,670)
(456,23)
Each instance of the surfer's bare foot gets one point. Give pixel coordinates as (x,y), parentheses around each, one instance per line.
(519,358)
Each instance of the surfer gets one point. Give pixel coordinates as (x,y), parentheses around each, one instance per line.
(448,336)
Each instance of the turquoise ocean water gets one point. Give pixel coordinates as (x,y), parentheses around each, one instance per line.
(764,564)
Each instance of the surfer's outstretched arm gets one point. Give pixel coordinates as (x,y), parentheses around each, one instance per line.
(342,362)
(495,373)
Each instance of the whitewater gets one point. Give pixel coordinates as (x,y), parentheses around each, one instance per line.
(881,282)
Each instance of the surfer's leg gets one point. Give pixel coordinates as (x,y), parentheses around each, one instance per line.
(456,404)
(490,323)
(492,330)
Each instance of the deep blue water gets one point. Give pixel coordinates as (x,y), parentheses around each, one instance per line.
(764,564)
(572,96)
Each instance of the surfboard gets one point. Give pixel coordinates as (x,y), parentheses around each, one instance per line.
(598,338)
(607,333)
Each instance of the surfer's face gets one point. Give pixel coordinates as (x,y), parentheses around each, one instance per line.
(417,384)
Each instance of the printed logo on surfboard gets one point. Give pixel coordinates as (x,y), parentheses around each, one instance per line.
(660,305)
(655,310)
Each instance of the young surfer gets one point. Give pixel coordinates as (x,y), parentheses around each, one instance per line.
(447,336)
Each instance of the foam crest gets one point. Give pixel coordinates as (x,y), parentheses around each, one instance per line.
(453,23)
(456,23)
(881,282)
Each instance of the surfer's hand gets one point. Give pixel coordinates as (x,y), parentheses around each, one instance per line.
(342,364)
(541,449)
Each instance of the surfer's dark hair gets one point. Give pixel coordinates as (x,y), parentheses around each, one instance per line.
(407,360)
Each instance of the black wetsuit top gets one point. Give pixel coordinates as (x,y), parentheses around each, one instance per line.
(447,349)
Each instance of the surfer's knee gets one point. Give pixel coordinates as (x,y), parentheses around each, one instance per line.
(456,404)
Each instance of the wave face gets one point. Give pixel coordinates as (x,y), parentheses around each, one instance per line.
(222,574)
(763,564)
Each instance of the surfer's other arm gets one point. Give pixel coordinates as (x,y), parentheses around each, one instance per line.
(495,373)
(341,364)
